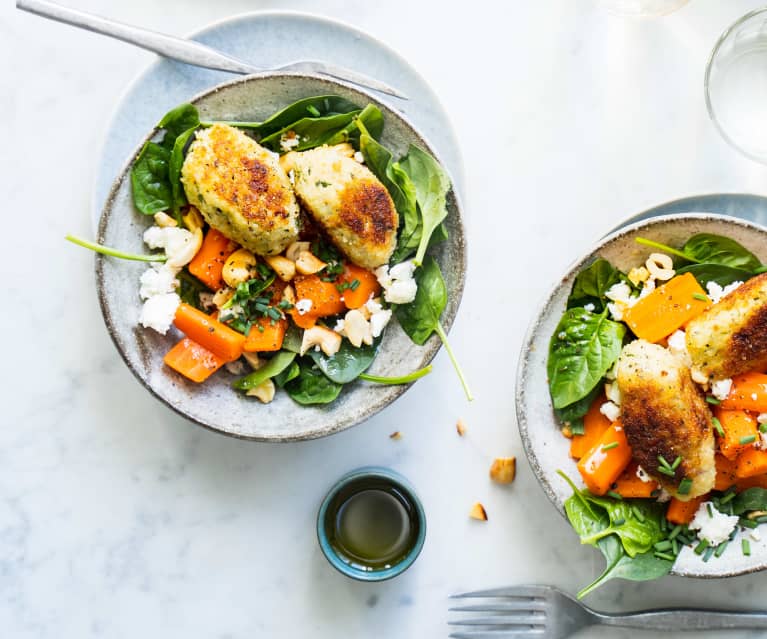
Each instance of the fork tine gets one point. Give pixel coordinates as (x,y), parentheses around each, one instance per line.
(524,605)
(499,634)
(502,620)
(508,591)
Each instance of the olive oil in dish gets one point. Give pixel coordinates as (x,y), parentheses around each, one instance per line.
(372,524)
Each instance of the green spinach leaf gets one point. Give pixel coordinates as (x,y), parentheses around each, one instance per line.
(722,275)
(420,318)
(642,567)
(348,363)
(370,120)
(151,187)
(592,283)
(312,387)
(190,288)
(292,340)
(749,499)
(312,132)
(176,121)
(582,349)
(574,413)
(291,372)
(274,366)
(717,249)
(174,168)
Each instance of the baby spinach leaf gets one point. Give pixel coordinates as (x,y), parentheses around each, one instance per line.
(312,132)
(292,340)
(717,249)
(592,283)
(722,275)
(582,349)
(348,363)
(573,413)
(152,191)
(177,155)
(291,372)
(749,499)
(420,318)
(370,120)
(190,288)
(312,387)
(636,535)
(642,567)
(431,187)
(273,367)
(176,121)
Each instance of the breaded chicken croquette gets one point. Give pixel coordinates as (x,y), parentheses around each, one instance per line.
(731,337)
(350,204)
(665,414)
(241,189)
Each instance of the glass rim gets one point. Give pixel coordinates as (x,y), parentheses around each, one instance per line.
(707,85)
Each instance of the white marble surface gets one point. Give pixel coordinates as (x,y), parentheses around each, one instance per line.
(119,519)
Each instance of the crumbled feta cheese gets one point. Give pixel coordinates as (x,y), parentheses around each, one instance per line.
(289,141)
(642,474)
(378,321)
(715,527)
(173,240)
(359,157)
(610,410)
(721,388)
(616,310)
(157,280)
(158,312)
(613,393)
(398,283)
(716,292)
(373,305)
(698,376)
(620,292)
(292,176)
(677,346)
(762,418)
(590,308)
(340,326)
(303,306)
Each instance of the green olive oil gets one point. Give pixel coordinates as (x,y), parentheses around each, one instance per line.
(371,524)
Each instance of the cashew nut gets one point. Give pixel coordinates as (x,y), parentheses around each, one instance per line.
(222,296)
(638,274)
(238,267)
(163,220)
(253,360)
(264,391)
(289,295)
(193,219)
(357,329)
(328,341)
(661,266)
(296,248)
(307,263)
(285,268)
(189,250)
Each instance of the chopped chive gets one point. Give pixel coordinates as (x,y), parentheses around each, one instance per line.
(701,547)
(610,446)
(577,429)
(710,512)
(614,495)
(748,439)
(709,551)
(763,428)
(662,461)
(637,512)
(313,110)
(727,498)
(666,556)
(676,463)
(662,546)
(717,426)
(745,546)
(675,532)
(684,486)
(747,523)
(685,539)
(712,400)
(675,546)
(666,471)
(700,296)
(354,285)
(721,548)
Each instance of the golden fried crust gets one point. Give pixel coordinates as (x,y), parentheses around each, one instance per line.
(665,414)
(241,190)
(350,204)
(731,337)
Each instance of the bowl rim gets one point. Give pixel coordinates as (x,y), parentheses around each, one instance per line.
(432,345)
(520,398)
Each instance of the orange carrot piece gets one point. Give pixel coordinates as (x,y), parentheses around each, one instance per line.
(629,486)
(748,392)
(307,320)
(265,337)
(207,265)
(218,338)
(594,426)
(758,481)
(325,296)
(366,288)
(751,462)
(682,512)
(739,426)
(725,472)
(667,308)
(192,360)
(605,462)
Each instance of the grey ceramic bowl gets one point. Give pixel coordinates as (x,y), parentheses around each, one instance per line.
(214,404)
(546,449)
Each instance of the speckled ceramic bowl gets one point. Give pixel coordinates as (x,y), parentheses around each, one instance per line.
(214,404)
(546,449)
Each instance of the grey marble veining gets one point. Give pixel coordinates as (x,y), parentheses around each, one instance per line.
(120,519)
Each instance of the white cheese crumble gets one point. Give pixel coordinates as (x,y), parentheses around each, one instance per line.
(610,410)
(590,308)
(289,141)
(677,346)
(359,157)
(157,280)
(762,418)
(715,527)
(642,474)
(613,393)
(158,312)
(397,282)
(716,292)
(292,176)
(698,376)
(174,241)
(303,306)
(620,294)
(721,388)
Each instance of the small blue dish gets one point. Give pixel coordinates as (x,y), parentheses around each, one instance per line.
(370,478)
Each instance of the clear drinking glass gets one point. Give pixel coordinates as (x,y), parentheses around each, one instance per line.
(736,85)
(642,7)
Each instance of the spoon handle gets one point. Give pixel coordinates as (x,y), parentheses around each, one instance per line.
(166,45)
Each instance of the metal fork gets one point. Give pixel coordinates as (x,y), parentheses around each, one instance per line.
(189,51)
(527,612)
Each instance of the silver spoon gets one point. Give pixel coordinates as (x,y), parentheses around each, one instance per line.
(188,51)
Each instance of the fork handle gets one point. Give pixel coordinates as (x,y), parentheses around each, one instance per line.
(686,619)
(168,46)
